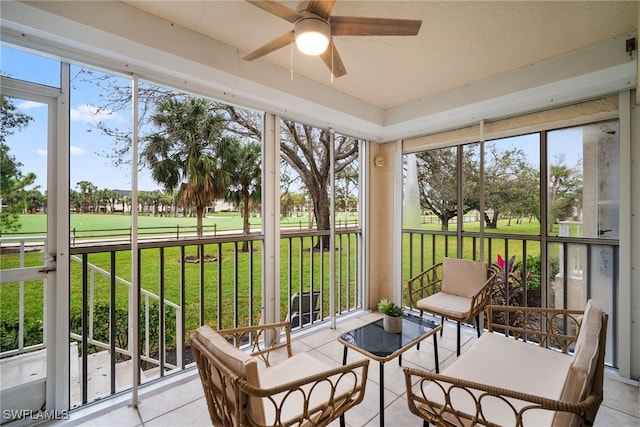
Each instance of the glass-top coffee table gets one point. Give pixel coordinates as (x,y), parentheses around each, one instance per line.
(374,342)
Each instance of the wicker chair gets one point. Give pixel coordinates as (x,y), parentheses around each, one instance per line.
(302,312)
(457,289)
(520,373)
(267,385)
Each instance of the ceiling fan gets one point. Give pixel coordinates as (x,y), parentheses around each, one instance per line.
(314,28)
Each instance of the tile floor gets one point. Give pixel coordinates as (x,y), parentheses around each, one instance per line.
(183,403)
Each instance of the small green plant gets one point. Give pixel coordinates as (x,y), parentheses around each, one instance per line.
(390,309)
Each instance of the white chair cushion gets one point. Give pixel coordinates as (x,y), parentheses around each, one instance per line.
(504,362)
(463,277)
(240,363)
(580,377)
(299,366)
(447,305)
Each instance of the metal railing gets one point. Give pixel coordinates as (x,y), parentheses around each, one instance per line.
(146,307)
(215,280)
(184,283)
(562,272)
(21,246)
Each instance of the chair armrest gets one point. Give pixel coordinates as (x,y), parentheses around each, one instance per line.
(549,327)
(481,299)
(444,413)
(263,339)
(345,386)
(425,283)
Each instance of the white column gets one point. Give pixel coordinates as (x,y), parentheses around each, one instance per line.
(363,184)
(271,219)
(134,311)
(332,232)
(57,286)
(630,242)
(627,343)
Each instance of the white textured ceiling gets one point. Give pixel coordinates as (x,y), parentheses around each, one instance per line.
(460,42)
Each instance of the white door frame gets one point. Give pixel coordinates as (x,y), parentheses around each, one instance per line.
(56,270)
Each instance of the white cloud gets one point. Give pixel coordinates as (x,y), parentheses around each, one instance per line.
(30,105)
(76,151)
(73,150)
(89,113)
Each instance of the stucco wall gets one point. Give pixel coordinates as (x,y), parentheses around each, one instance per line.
(381,220)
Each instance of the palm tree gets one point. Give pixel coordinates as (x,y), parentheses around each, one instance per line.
(86,190)
(190,153)
(247,182)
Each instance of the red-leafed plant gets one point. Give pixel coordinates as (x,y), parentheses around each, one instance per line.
(510,285)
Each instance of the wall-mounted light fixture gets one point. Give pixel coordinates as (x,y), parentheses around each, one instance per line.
(630,46)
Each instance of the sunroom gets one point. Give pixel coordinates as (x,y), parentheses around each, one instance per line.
(421,153)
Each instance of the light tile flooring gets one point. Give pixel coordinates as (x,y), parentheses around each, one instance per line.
(183,404)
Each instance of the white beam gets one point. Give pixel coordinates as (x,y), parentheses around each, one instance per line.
(271,215)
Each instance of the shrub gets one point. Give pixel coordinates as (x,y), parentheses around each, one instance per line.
(101,332)
(9,334)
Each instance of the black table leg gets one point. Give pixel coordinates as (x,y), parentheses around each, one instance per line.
(381,394)
(435,352)
(458,351)
(344,362)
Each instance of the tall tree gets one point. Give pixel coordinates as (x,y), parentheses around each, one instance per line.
(14,195)
(511,184)
(246,181)
(75,200)
(292,202)
(307,150)
(437,183)
(565,191)
(87,192)
(110,197)
(190,153)
(11,120)
(304,148)
(526,195)
(13,183)
(507,178)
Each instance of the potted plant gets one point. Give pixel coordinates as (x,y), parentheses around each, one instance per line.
(392,320)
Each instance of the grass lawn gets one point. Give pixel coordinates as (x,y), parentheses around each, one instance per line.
(221,295)
(101,224)
(228,291)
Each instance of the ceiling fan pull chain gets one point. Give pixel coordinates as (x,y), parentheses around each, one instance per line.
(291,57)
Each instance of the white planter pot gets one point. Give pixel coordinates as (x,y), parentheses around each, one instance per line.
(392,324)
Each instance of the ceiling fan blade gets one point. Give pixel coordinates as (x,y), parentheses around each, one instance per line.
(332,60)
(277,9)
(362,26)
(322,8)
(273,45)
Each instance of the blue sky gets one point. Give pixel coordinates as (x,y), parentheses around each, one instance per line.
(88,145)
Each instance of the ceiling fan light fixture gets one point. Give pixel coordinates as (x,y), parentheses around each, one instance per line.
(312,35)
